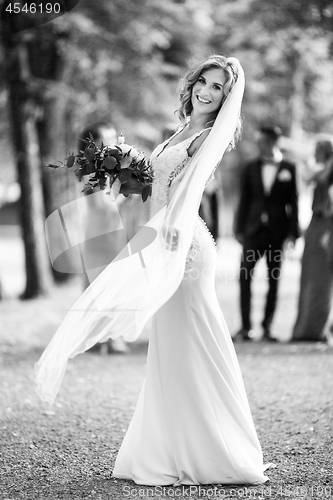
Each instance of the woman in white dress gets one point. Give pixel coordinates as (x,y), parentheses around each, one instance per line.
(192,424)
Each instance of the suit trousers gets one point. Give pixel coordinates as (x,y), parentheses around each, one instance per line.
(256,247)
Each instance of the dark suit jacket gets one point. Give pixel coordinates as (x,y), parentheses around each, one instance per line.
(278,211)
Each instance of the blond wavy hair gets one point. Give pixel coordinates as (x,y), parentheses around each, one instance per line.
(190,79)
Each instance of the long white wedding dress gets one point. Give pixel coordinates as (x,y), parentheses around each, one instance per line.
(192,424)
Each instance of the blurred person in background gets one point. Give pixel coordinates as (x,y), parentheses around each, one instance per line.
(315,297)
(267,216)
(101,241)
(210,205)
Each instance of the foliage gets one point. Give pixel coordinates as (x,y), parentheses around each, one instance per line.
(125,59)
(287,54)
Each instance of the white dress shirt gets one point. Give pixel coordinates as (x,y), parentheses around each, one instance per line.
(269,171)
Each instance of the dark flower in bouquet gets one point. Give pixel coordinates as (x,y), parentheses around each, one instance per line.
(106,164)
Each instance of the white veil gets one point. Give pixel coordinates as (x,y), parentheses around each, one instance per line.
(130,290)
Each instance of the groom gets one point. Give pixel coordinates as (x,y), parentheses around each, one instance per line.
(267,216)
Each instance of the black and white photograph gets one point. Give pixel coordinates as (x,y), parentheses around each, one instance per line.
(166,249)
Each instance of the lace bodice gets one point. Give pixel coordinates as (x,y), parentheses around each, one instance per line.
(167,163)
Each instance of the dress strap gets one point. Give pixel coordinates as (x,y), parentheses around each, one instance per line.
(188,142)
(166,142)
(194,137)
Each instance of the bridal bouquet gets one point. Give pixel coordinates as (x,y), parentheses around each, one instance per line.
(106,164)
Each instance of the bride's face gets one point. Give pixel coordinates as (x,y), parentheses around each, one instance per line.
(207,92)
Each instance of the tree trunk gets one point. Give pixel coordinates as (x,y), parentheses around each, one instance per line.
(23,116)
(58,185)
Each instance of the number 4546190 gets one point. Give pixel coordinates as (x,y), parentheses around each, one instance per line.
(48,8)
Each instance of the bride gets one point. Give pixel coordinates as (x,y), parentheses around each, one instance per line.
(192,424)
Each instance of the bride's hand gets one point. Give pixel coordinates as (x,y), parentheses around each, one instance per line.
(126,161)
(132,186)
(171,236)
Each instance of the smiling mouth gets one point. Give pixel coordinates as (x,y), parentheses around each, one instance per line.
(202,100)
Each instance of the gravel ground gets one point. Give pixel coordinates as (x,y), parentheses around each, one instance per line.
(68,450)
